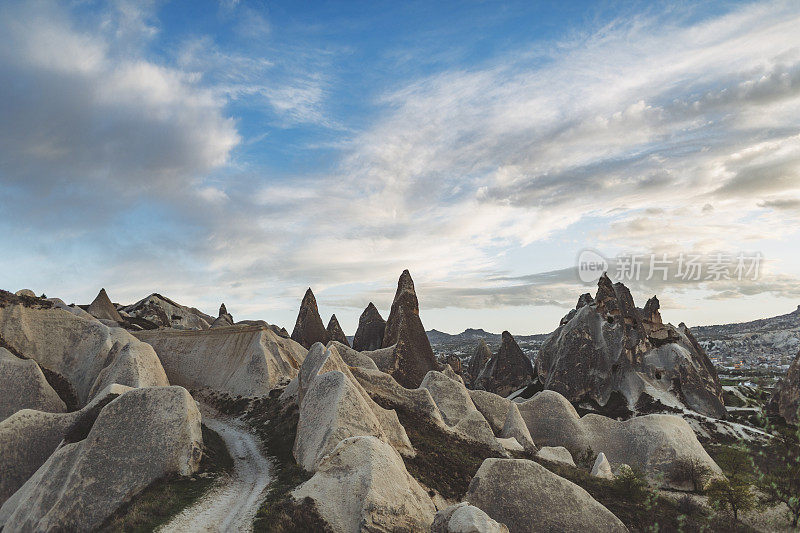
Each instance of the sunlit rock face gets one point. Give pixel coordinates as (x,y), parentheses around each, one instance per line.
(608,352)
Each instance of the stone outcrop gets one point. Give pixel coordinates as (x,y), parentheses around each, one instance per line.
(25,292)
(465,518)
(165,313)
(525,496)
(556,454)
(507,371)
(241,361)
(23,386)
(102,308)
(363,485)
(653,443)
(601,467)
(309,328)
(29,437)
(611,355)
(405,298)
(478,360)
(371,328)
(334,406)
(515,427)
(785,400)
(335,332)
(224,319)
(86,481)
(86,355)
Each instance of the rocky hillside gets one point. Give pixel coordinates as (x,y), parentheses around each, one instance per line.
(768,341)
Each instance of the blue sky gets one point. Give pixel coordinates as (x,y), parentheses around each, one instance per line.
(242,151)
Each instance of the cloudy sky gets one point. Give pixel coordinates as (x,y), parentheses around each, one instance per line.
(241,151)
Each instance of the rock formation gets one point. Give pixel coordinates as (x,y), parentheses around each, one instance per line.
(463,517)
(412,356)
(785,400)
(309,327)
(363,485)
(335,332)
(609,354)
(23,386)
(653,443)
(84,355)
(520,493)
(371,328)
(601,467)
(165,313)
(103,309)
(224,319)
(85,481)
(507,371)
(479,359)
(555,454)
(242,361)
(455,364)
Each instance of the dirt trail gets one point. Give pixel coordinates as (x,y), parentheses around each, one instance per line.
(232,503)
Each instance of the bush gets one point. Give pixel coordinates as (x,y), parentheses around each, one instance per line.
(691,471)
(733,494)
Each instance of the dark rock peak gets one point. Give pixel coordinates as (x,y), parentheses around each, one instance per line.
(102,308)
(405,298)
(370,331)
(412,354)
(309,327)
(508,370)
(335,331)
(584,299)
(479,359)
(223,310)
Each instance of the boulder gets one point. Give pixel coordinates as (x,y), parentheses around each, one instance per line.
(102,308)
(166,313)
(86,355)
(240,361)
(363,485)
(653,443)
(465,518)
(23,386)
(309,328)
(371,328)
(525,496)
(25,292)
(493,407)
(514,426)
(556,454)
(612,355)
(334,406)
(28,438)
(335,332)
(84,482)
(478,360)
(601,467)
(509,370)
(785,399)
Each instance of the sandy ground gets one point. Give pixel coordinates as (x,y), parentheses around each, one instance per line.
(232,503)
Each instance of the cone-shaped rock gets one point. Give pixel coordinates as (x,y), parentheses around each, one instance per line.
(309,327)
(785,400)
(371,327)
(478,361)
(102,308)
(222,309)
(507,371)
(405,298)
(224,319)
(413,356)
(335,331)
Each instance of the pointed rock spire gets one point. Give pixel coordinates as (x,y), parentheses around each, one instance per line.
(335,331)
(371,327)
(509,370)
(103,309)
(224,319)
(222,309)
(412,355)
(309,327)
(405,298)
(479,358)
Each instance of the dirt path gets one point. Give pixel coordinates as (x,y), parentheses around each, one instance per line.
(232,503)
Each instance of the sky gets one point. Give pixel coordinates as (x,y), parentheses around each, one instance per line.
(242,151)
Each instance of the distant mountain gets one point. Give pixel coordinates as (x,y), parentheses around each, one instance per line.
(770,341)
(471,335)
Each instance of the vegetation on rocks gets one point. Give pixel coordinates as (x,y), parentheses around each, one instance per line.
(165,498)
